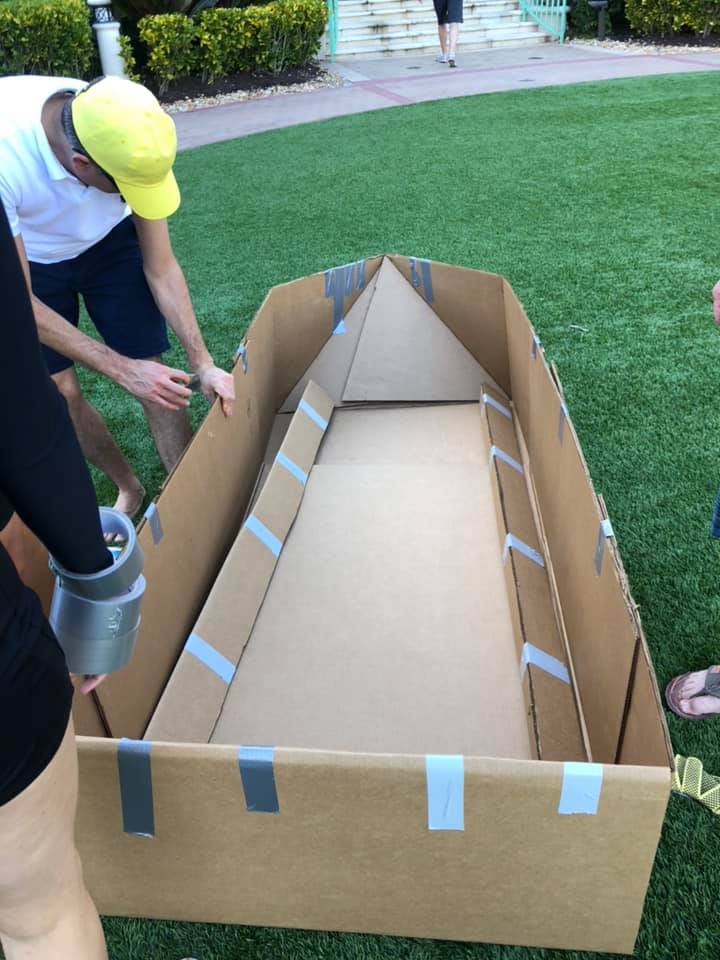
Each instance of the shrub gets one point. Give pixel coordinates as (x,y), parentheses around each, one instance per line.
(171,41)
(127,52)
(583,19)
(278,35)
(674,16)
(52,37)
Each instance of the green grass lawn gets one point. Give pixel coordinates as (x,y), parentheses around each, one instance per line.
(600,204)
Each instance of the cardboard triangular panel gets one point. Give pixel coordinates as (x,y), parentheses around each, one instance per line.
(406,353)
(331,366)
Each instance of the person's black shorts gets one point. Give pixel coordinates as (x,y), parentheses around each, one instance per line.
(449,11)
(109,277)
(35,688)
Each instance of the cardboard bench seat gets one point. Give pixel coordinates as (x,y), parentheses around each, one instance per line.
(390,677)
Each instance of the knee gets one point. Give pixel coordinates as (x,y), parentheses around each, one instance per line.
(41,904)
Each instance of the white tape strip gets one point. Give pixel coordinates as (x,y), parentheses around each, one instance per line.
(604,532)
(562,417)
(581,788)
(512,543)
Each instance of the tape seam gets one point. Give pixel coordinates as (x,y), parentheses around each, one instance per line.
(513,543)
(291,467)
(265,536)
(445,781)
(313,414)
(496,453)
(492,402)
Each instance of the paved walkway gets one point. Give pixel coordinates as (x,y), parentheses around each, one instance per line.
(375,84)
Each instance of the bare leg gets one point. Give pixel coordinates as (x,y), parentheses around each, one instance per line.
(442,34)
(454,29)
(171,430)
(45,911)
(98,445)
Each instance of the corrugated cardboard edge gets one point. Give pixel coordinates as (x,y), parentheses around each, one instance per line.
(195,693)
(352,831)
(555,709)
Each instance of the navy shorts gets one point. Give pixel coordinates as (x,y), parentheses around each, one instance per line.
(449,11)
(109,276)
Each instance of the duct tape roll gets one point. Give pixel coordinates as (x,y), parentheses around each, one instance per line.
(581,788)
(445,776)
(116,579)
(258,779)
(136,793)
(98,636)
(492,402)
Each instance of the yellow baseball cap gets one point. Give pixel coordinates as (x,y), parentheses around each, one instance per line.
(126,132)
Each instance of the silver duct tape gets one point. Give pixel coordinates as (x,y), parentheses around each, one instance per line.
(114,580)
(604,532)
(97,636)
(562,417)
(152,515)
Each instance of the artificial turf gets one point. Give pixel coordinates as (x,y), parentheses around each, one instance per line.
(599,203)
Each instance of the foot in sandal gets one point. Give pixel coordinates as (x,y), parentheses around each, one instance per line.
(695,696)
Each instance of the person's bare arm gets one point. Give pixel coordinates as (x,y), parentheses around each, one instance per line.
(144,379)
(169,288)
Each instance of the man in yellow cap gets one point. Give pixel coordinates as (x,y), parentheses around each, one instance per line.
(86,180)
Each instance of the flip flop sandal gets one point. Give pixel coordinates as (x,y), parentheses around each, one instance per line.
(711,689)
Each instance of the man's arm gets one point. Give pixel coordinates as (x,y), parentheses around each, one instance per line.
(145,379)
(167,283)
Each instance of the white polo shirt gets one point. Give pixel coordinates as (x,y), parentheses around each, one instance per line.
(57,215)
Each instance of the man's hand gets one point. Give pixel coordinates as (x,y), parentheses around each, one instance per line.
(214,382)
(716,302)
(156,383)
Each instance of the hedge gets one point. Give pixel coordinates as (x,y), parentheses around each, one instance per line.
(275,36)
(674,16)
(50,37)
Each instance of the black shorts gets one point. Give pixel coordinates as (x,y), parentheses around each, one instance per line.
(110,278)
(449,11)
(35,689)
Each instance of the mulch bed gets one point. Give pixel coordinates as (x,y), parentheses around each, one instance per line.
(190,88)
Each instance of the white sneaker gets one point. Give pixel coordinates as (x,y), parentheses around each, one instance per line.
(451,60)
(441,58)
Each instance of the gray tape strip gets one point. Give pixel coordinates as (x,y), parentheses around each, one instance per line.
(492,402)
(152,515)
(506,458)
(241,353)
(545,661)
(414,275)
(604,531)
(562,417)
(258,779)
(136,794)
(512,543)
(210,657)
(427,280)
(445,779)
(534,346)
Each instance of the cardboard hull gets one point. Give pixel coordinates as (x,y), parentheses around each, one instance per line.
(349,847)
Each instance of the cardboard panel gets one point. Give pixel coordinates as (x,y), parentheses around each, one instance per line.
(552,700)
(406,353)
(386,625)
(645,742)
(200,509)
(304,322)
(520,342)
(331,367)
(350,849)
(85,716)
(194,695)
(470,303)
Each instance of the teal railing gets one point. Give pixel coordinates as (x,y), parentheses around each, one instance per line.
(551,15)
(332,27)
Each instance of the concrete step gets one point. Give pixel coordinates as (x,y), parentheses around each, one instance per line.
(429,28)
(396,9)
(416,35)
(369,23)
(422,48)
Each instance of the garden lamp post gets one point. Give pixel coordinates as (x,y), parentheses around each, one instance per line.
(599,5)
(107,35)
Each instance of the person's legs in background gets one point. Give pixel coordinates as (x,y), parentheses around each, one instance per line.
(453,31)
(45,910)
(443,37)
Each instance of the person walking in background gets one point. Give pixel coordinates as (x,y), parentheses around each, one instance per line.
(449,16)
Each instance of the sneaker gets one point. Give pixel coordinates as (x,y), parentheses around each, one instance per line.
(451,60)
(441,58)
